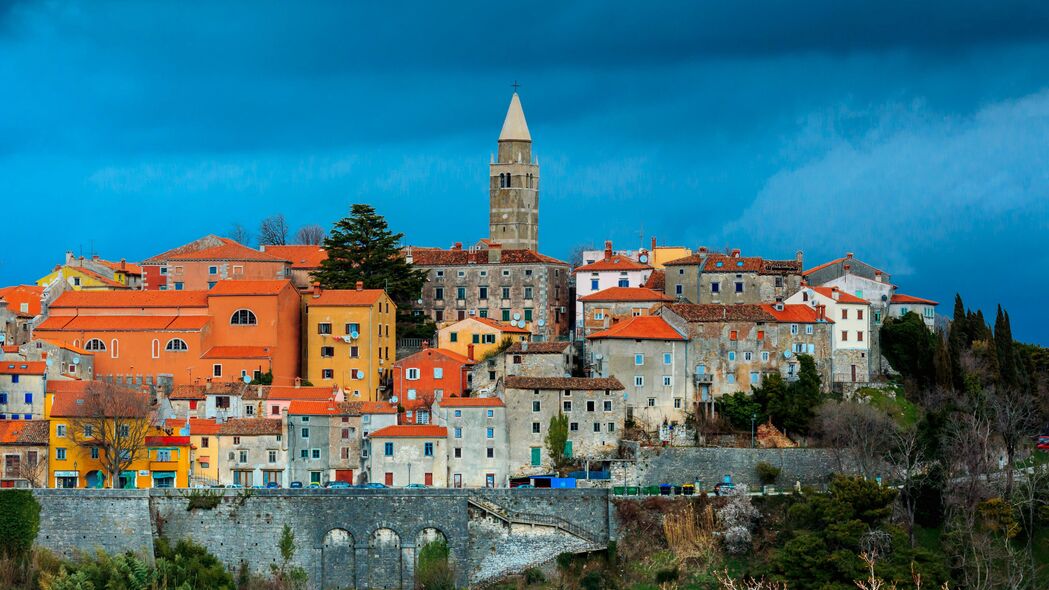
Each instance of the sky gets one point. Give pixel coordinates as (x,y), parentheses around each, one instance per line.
(914,134)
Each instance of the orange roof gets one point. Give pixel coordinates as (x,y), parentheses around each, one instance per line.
(627,294)
(140,299)
(344,297)
(237,352)
(901,298)
(66,386)
(472,402)
(54,323)
(227,250)
(843,297)
(301,257)
(290,392)
(500,326)
(642,327)
(795,313)
(9,348)
(123,266)
(23,367)
(18,294)
(68,347)
(614,262)
(69,403)
(377,408)
(333,408)
(656,281)
(24,432)
(189,322)
(734,263)
(123,323)
(197,426)
(428,353)
(238,287)
(460,257)
(410,431)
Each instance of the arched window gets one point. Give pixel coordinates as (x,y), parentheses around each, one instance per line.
(95,345)
(176,345)
(114,348)
(243,317)
(155,348)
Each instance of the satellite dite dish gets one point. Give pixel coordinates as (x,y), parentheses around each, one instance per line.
(393,399)
(517,316)
(354,335)
(346,339)
(76,360)
(247,378)
(643,258)
(541,323)
(786,354)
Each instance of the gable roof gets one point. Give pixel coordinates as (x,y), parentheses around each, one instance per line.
(344,298)
(627,294)
(733,263)
(96,276)
(644,327)
(430,353)
(901,298)
(244,287)
(23,367)
(303,392)
(796,313)
(69,401)
(24,432)
(615,262)
(197,426)
(538,348)
(471,402)
(333,408)
(410,431)
(98,299)
(843,297)
(301,257)
(657,281)
(459,257)
(498,325)
(16,295)
(846,258)
(226,249)
(571,383)
(251,427)
(129,268)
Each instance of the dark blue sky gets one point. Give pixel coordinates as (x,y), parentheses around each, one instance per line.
(915,134)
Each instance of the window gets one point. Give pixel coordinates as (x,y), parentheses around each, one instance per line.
(458,453)
(489,432)
(355,352)
(460,293)
(482,293)
(528,293)
(438,373)
(216,370)
(490,453)
(679,290)
(761,335)
(491,413)
(877,317)
(315,453)
(305,432)
(765,356)
(573,427)
(243,317)
(213,270)
(715,287)
(327,351)
(733,335)
(536,406)
(178,286)
(176,345)
(439,273)
(590,406)
(411,374)
(754,377)
(304,454)
(204,442)
(60,430)
(623,282)
(95,344)
(387,449)
(60,454)
(859,314)
(438,293)
(667,381)
(243,456)
(739,286)
(567,405)
(731,378)
(859,336)
(639,359)
(114,350)
(594,285)
(324,328)
(844,335)
(535,427)
(428,449)
(458,432)
(639,380)
(667,358)
(747,356)
(327,373)
(809,329)
(731,355)
(505,315)
(607,406)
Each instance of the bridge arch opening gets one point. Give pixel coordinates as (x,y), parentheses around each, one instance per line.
(384,559)
(338,560)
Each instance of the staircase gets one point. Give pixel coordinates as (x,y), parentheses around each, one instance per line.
(511,518)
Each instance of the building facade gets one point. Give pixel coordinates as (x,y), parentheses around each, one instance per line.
(23,448)
(598,311)
(202,263)
(253,452)
(851,340)
(303,262)
(707,277)
(22,387)
(327,439)
(514,185)
(900,305)
(478,444)
(478,337)
(404,455)
(611,271)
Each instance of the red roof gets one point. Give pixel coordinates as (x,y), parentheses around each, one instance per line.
(499,325)
(197,426)
(410,431)
(333,408)
(243,287)
(843,297)
(656,281)
(167,441)
(238,352)
(23,367)
(428,353)
(627,294)
(9,348)
(124,266)
(901,298)
(140,299)
(290,392)
(344,298)
(66,385)
(460,257)
(69,402)
(24,432)
(733,263)
(18,294)
(301,257)
(227,250)
(614,262)
(797,313)
(472,402)
(644,327)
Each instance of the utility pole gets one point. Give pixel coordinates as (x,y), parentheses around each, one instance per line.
(753,421)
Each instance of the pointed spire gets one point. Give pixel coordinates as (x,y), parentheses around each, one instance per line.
(514,126)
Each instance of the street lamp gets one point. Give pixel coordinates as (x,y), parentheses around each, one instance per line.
(753,421)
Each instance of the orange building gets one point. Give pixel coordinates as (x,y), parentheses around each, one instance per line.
(164,338)
(201,264)
(304,261)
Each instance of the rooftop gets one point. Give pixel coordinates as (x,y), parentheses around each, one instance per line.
(538,348)
(430,353)
(570,383)
(344,298)
(735,263)
(627,294)
(23,367)
(614,262)
(410,431)
(901,298)
(471,402)
(301,257)
(459,257)
(139,299)
(251,427)
(644,327)
(24,432)
(747,312)
(515,128)
(240,287)
(17,295)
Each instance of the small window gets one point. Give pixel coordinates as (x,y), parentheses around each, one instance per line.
(639,359)
(458,432)
(715,287)
(243,317)
(567,405)
(411,374)
(216,370)
(667,358)
(667,381)
(733,335)
(794,329)
(324,328)
(327,351)
(639,380)
(679,289)
(536,406)
(535,427)
(438,373)
(490,433)
(327,373)
(387,449)
(573,427)
(428,449)
(739,286)
(809,329)
(176,345)
(731,355)
(213,270)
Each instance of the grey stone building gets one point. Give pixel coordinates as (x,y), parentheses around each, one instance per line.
(478,441)
(514,185)
(602,309)
(253,452)
(708,277)
(649,357)
(594,407)
(523,359)
(732,347)
(326,439)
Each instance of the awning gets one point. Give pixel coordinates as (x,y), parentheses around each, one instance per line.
(163,474)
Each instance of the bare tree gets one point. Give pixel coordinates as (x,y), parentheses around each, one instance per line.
(862,432)
(35,471)
(575,255)
(114,420)
(273,231)
(310,235)
(908,462)
(1014,416)
(238,234)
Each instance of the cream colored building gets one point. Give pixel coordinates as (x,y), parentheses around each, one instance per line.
(409,454)
(851,340)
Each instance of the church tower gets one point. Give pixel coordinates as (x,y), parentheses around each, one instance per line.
(514,185)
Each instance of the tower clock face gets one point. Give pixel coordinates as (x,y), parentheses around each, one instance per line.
(642,259)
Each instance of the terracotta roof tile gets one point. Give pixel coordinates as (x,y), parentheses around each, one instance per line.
(142,299)
(499,325)
(100,278)
(251,427)
(729,263)
(429,353)
(227,250)
(126,267)
(16,295)
(238,352)
(344,298)
(537,348)
(901,298)
(244,287)
(410,431)
(616,262)
(716,312)
(644,327)
(460,257)
(333,408)
(795,314)
(627,294)
(23,367)
(187,392)
(571,383)
(197,426)
(301,257)
(843,297)
(70,402)
(657,281)
(290,392)
(471,402)
(24,432)
(837,261)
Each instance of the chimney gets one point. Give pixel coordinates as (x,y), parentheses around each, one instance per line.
(848,255)
(821,311)
(653,243)
(495,253)
(359,286)
(69,257)
(317,289)
(426,344)
(123,264)
(735,252)
(608,249)
(524,346)
(799,256)
(457,246)
(94,257)
(298,382)
(702,249)
(470,351)
(834,293)
(877,276)
(847,267)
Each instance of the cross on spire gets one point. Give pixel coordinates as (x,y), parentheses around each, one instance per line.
(515,85)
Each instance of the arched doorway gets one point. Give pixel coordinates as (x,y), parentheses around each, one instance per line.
(338,561)
(95,479)
(434,565)
(384,559)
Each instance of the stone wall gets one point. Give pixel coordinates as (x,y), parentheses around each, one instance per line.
(677,465)
(344,538)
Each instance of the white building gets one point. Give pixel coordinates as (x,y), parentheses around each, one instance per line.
(851,341)
(613,270)
(900,305)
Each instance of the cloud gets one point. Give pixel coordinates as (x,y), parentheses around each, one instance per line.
(910,183)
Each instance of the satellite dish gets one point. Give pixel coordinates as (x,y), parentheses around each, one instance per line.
(598,356)
(76,360)
(786,354)
(520,323)
(541,323)
(643,258)
(360,374)
(354,335)
(346,339)
(50,361)
(393,399)
(517,316)
(247,378)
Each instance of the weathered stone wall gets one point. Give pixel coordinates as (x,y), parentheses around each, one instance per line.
(676,465)
(344,538)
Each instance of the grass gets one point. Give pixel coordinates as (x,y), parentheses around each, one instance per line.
(905,413)
(1036,458)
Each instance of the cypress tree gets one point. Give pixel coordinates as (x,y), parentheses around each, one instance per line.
(957,342)
(1003,344)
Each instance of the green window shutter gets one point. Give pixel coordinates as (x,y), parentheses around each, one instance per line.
(477,339)
(537,456)
(568,449)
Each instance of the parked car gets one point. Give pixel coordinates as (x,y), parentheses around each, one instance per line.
(1043,442)
(338,485)
(296,485)
(374,485)
(272,485)
(416,486)
(235,486)
(526,486)
(314,485)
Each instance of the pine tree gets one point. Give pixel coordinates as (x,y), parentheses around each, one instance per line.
(958,340)
(361,247)
(1003,344)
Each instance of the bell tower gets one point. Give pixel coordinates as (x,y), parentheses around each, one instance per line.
(514,185)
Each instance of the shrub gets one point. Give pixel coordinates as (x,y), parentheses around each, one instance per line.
(534,575)
(203,500)
(434,572)
(667,575)
(565,561)
(19,522)
(767,472)
(190,564)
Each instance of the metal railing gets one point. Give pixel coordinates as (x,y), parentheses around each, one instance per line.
(533,519)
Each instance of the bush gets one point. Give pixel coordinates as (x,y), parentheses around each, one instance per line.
(667,575)
(190,564)
(767,472)
(434,571)
(19,522)
(534,575)
(565,561)
(203,500)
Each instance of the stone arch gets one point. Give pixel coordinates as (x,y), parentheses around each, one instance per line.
(429,534)
(338,560)
(384,559)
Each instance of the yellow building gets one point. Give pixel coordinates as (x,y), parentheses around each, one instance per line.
(663,254)
(84,414)
(350,339)
(204,454)
(79,278)
(476,337)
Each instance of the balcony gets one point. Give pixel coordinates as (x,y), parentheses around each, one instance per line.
(702,378)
